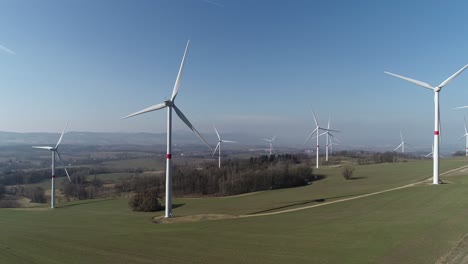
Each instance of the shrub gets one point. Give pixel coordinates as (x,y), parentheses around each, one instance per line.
(147,200)
(347,172)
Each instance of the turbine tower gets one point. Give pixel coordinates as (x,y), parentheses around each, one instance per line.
(170,105)
(317,130)
(402,145)
(466,138)
(218,146)
(436,90)
(54,151)
(271,144)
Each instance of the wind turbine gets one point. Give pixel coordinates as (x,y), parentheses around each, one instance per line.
(271,144)
(466,137)
(402,145)
(436,90)
(170,105)
(55,151)
(317,130)
(218,146)
(329,140)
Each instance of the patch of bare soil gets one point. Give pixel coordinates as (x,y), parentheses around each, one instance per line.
(191,218)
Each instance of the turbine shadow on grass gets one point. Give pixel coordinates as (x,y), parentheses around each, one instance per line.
(320,200)
(357,178)
(178,205)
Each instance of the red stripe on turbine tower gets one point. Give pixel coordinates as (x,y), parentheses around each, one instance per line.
(436,133)
(53,176)
(168,156)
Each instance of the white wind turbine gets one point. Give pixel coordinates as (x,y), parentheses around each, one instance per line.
(317,130)
(218,146)
(270,141)
(55,151)
(170,105)
(329,140)
(436,90)
(466,137)
(402,144)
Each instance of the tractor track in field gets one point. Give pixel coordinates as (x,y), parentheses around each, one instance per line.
(351,198)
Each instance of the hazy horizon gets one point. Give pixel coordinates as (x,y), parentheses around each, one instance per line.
(252,67)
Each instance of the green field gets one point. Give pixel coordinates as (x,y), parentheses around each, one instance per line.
(413,225)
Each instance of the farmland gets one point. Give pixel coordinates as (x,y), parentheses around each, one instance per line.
(418,224)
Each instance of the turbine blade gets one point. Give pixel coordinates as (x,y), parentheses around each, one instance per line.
(219,137)
(335,138)
(328,126)
(464,122)
(149,109)
(423,84)
(187,122)
(461,138)
(315,119)
(61,162)
(398,147)
(324,133)
(228,141)
(267,140)
(310,135)
(61,136)
(273,139)
(217,145)
(440,126)
(181,69)
(326,129)
(449,79)
(43,147)
(461,107)
(401,136)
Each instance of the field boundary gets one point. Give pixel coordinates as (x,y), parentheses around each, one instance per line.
(351,198)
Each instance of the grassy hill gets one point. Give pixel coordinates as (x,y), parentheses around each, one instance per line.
(414,225)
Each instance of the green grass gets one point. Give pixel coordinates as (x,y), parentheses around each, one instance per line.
(413,225)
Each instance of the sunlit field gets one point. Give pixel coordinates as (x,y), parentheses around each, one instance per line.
(417,224)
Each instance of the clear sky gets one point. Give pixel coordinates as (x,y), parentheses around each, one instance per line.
(253,66)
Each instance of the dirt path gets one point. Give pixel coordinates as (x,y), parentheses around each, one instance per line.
(354,197)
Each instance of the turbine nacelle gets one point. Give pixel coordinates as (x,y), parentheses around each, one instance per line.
(168,103)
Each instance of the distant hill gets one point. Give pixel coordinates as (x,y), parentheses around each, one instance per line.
(95,138)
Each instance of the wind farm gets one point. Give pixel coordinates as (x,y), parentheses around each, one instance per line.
(260,175)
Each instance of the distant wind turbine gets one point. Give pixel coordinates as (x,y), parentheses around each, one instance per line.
(436,90)
(466,137)
(402,144)
(218,146)
(55,152)
(329,140)
(270,141)
(317,130)
(170,105)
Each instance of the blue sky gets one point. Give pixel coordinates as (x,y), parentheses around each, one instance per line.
(253,66)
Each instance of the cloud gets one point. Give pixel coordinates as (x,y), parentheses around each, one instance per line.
(7,50)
